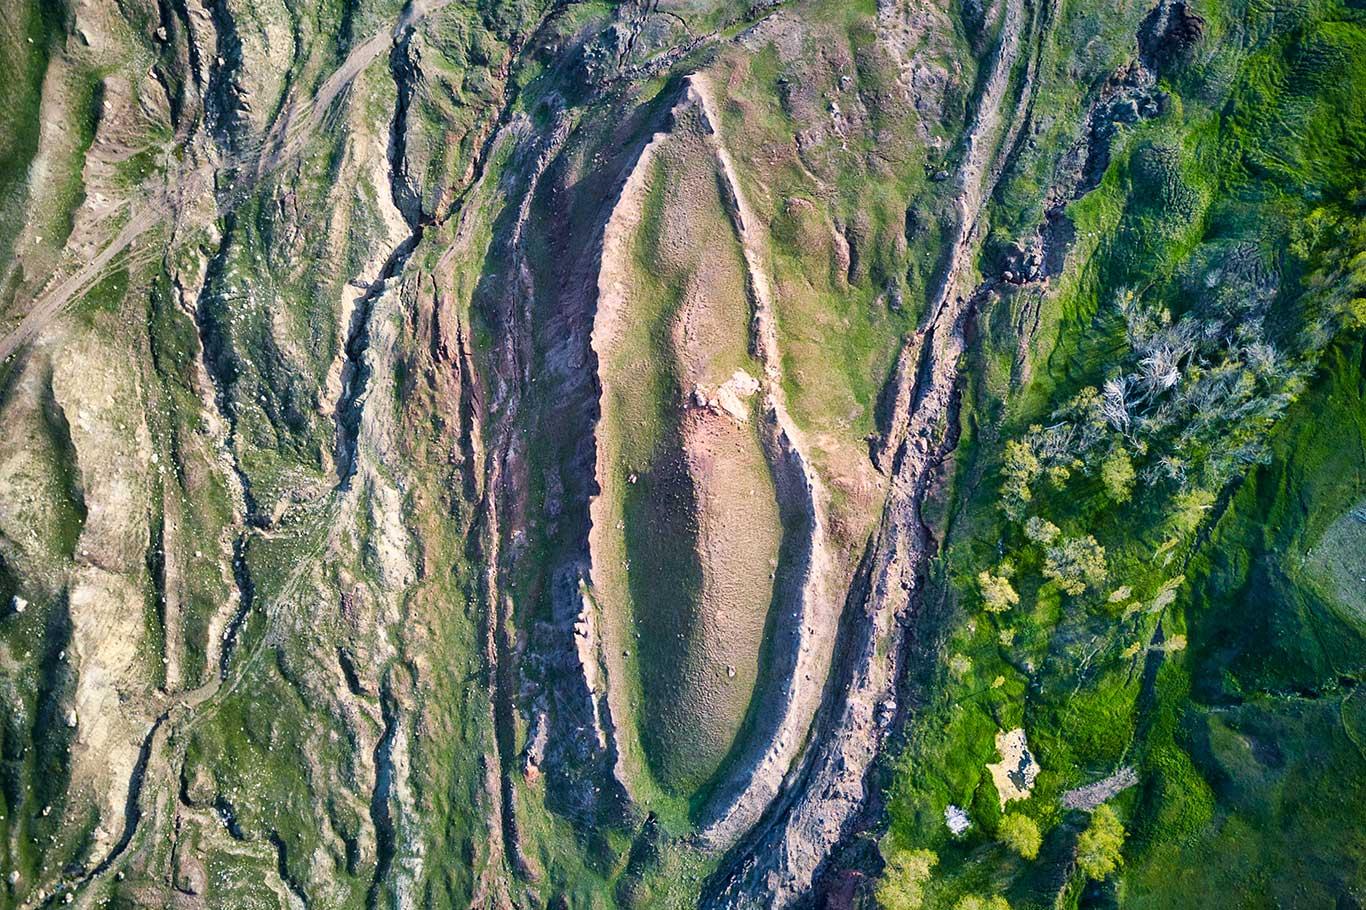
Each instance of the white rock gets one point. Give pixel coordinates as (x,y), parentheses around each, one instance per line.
(956,819)
(19,604)
(1014,774)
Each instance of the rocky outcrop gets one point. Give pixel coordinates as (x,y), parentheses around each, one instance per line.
(1090,796)
(1169,34)
(778,864)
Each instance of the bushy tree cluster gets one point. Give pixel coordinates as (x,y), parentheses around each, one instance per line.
(1329,243)
(1021,834)
(997,593)
(1185,409)
(1099,846)
(1076,563)
(902,886)
(1117,473)
(1188,405)
(1020,469)
(1198,393)
(1041,531)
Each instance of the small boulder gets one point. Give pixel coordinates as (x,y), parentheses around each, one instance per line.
(198,786)
(189,875)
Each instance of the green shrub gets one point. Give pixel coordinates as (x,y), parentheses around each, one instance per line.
(1021,834)
(1117,473)
(977,902)
(1076,564)
(1098,848)
(997,593)
(902,886)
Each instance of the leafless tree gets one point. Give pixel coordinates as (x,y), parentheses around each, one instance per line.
(1115,403)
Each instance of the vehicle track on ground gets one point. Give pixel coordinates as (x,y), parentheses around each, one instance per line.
(165,203)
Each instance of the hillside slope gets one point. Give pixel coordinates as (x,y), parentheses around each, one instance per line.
(676,453)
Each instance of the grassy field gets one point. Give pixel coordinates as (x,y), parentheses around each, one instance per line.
(683,570)
(24,37)
(1215,655)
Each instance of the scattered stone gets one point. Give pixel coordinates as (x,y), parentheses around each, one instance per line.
(895,303)
(1092,795)
(730,398)
(199,787)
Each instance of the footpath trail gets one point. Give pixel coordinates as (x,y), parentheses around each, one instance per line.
(181,712)
(162,204)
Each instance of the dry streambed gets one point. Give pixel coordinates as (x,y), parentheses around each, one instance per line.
(779,863)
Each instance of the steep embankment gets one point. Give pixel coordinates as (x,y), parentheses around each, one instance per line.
(686,533)
(807,613)
(779,864)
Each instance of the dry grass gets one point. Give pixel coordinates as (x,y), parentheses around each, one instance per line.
(687,529)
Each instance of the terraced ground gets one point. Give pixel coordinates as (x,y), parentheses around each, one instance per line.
(674,453)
